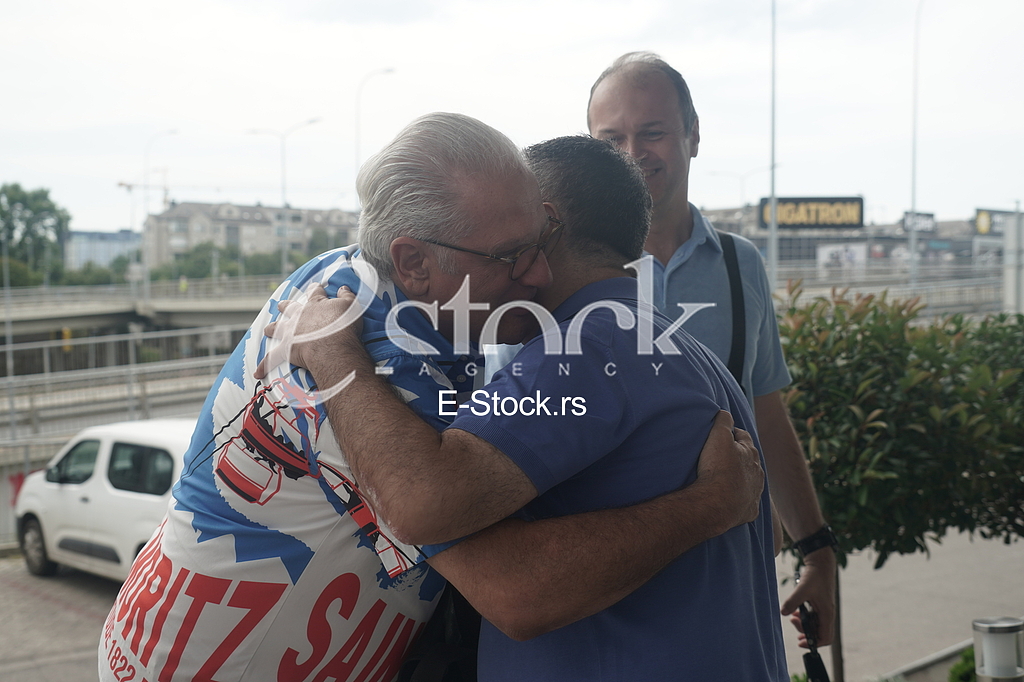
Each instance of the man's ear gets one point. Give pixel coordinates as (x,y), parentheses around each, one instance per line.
(552,210)
(695,138)
(412,262)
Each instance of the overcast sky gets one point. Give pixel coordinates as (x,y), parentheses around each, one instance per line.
(88,87)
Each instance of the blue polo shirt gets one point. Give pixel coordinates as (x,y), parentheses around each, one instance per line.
(619,427)
(695,278)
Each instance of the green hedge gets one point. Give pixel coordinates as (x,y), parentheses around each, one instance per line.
(910,427)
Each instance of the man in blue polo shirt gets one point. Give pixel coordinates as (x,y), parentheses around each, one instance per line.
(607,408)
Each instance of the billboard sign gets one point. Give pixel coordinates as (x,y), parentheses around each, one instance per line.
(919,222)
(814,212)
(989,222)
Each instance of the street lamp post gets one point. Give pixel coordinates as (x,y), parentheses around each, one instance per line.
(912,239)
(9,338)
(359,96)
(282,135)
(773,225)
(145,210)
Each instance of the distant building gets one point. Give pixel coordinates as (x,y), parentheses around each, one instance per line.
(252,229)
(98,248)
(950,239)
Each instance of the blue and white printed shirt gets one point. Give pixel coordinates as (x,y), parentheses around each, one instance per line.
(270,564)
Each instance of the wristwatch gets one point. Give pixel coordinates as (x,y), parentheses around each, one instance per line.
(823,537)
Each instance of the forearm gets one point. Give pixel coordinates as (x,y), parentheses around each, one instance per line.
(428,487)
(528,578)
(792,491)
(789,478)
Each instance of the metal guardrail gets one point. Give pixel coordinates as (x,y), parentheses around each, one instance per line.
(64,402)
(977,296)
(95,352)
(262,285)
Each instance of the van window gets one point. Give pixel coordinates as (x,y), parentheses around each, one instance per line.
(77,465)
(140,468)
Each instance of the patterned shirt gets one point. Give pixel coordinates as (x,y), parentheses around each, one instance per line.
(270,564)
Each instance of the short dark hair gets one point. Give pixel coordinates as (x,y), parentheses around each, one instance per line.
(600,194)
(642,63)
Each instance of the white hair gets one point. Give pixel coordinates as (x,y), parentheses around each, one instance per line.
(414,187)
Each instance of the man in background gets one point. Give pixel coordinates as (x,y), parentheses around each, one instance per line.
(643,106)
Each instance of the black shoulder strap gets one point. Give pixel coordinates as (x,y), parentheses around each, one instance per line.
(738,350)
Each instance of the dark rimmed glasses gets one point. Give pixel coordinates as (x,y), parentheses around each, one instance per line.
(521,261)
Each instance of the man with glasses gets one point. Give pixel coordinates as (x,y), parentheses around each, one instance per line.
(643,106)
(270,563)
(681,598)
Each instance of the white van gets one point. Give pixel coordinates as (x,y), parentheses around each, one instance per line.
(101,497)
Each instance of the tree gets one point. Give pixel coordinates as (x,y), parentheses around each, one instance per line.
(910,429)
(35,227)
(88,275)
(20,274)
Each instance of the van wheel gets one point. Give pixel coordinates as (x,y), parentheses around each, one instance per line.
(34,549)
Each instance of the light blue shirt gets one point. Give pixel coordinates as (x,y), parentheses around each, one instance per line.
(696,283)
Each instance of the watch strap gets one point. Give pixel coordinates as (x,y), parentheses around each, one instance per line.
(824,537)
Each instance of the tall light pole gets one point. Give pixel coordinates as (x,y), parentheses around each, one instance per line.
(359,96)
(145,210)
(282,135)
(912,240)
(773,225)
(9,334)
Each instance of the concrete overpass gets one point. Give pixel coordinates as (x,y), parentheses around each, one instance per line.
(36,311)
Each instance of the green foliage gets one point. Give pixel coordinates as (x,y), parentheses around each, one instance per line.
(263,264)
(89,274)
(910,429)
(119,266)
(963,670)
(319,241)
(21,276)
(34,226)
(197,263)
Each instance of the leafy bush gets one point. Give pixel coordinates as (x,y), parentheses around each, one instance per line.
(963,670)
(910,428)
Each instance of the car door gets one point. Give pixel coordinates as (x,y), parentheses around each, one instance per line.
(137,481)
(67,514)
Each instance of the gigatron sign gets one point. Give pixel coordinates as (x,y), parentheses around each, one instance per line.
(987,221)
(814,212)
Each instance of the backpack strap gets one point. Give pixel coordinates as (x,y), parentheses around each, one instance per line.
(738,349)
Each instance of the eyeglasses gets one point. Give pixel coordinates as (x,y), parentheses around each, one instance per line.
(521,261)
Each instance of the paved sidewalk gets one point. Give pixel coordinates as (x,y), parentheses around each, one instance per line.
(914,606)
(51,626)
(909,609)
